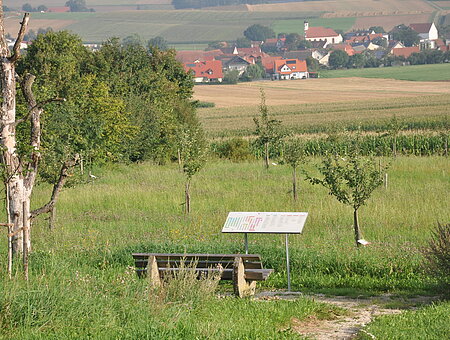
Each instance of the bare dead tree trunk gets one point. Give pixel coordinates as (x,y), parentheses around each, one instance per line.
(187,196)
(14,178)
(294,183)
(50,207)
(356,227)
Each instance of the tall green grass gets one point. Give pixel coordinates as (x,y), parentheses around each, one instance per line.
(82,282)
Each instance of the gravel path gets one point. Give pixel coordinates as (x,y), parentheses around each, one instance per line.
(361,311)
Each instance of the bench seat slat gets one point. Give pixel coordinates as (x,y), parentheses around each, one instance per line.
(250,274)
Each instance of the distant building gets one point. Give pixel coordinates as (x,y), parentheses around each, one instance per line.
(327,35)
(209,71)
(290,69)
(405,51)
(426,31)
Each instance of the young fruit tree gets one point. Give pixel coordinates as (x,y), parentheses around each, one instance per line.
(294,155)
(192,146)
(268,130)
(350,178)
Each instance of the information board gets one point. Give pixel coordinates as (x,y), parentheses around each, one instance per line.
(265,222)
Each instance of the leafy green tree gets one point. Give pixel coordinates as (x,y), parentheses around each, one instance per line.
(377,29)
(231,77)
(269,131)
(253,72)
(151,83)
(356,61)
(258,32)
(350,178)
(158,42)
(42,8)
(133,39)
(77,6)
(215,45)
(28,8)
(294,155)
(243,42)
(406,35)
(338,59)
(313,64)
(380,41)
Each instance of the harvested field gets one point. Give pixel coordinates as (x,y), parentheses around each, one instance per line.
(315,91)
(389,21)
(362,7)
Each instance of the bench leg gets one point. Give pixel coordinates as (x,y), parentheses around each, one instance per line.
(241,286)
(153,272)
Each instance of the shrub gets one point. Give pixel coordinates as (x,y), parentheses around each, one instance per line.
(235,149)
(438,254)
(199,103)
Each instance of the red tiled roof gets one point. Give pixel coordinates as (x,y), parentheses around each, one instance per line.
(405,51)
(294,64)
(344,47)
(191,56)
(211,69)
(421,28)
(267,62)
(320,32)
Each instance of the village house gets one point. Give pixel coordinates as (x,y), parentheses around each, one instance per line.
(428,34)
(328,35)
(196,56)
(290,69)
(235,62)
(209,71)
(405,51)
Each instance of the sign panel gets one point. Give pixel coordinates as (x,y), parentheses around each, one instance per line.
(265,222)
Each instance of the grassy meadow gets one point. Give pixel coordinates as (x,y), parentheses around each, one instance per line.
(82,282)
(432,72)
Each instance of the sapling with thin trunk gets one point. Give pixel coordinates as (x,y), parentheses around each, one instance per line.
(294,155)
(192,146)
(350,178)
(268,130)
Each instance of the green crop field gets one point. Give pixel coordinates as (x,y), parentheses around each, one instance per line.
(430,72)
(195,26)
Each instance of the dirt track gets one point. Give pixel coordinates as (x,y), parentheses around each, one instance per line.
(360,313)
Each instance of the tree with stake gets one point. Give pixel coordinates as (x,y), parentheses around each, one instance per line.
(294,155)
(394,129)
(193,153)
(351,179)
(268,130)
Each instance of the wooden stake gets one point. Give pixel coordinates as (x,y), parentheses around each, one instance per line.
(25,240)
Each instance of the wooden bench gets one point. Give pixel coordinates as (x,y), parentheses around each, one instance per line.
(243,269)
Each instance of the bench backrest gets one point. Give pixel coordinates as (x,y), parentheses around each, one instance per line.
(226,261)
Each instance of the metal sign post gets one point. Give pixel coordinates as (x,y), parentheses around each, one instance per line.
(287,264)
(266,223)
(246,242)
